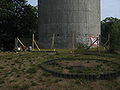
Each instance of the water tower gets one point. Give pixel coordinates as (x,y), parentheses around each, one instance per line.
(68,23)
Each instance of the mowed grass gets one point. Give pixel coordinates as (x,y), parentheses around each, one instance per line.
(21,71)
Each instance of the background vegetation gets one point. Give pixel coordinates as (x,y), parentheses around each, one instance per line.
(110,33)
(17,19)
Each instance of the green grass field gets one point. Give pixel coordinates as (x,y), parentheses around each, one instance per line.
(21,71)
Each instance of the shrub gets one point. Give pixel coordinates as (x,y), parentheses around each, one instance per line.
(81,48)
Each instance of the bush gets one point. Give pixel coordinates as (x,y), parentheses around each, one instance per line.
(81,48)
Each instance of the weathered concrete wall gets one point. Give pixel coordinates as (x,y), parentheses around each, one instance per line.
(72,21)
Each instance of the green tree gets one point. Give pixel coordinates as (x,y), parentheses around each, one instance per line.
(17,19)
(116,35)
(111,32)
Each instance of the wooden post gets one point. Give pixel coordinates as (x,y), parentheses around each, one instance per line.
(34,43)
(107,42)
(37,45)
(53,41)
(23,46)
(16,44)
(110,44)
(97,43)
(100,40)
(20,42)
(92,44)
(73,41)
(33,37)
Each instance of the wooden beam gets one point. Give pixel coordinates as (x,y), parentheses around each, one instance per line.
(53,41)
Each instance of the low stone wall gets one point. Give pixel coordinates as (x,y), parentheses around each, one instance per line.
(104,76)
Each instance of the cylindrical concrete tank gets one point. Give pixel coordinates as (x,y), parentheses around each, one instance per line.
(68,23)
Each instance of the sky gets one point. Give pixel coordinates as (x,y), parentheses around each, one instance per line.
(109,8)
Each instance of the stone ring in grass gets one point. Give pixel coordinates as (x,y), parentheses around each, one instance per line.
(89,69)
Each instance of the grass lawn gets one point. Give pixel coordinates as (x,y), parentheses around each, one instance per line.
(21,71)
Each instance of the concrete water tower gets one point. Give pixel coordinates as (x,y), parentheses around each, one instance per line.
(67,23)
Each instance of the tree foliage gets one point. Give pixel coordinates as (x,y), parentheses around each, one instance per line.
(111,31)
(17,19)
